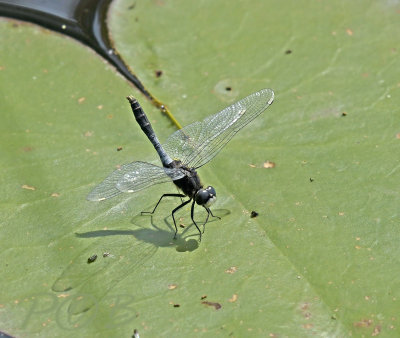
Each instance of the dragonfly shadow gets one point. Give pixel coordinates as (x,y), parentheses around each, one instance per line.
(159,231)
(155,224)
(158,238)
(89,283)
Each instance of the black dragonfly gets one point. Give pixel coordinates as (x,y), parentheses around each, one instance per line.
(184,152)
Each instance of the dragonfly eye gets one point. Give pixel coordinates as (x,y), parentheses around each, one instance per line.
(206,196)
(211,190)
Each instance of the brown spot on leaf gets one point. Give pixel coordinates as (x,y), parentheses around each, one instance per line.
(27,149)
(268,165)
(231,270)
(28,187)
(363,323)
(233,298)
(377,330)
(305,310)
(217,306)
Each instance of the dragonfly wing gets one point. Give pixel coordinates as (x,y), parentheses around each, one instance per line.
(133,177)
(197,143)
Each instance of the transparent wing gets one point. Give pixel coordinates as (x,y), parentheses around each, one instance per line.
(133,177)
(197,143)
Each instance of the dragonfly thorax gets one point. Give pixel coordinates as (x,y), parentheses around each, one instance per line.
(190,182)
(206,196)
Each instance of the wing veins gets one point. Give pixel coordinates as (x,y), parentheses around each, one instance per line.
(197,143)
(132,177)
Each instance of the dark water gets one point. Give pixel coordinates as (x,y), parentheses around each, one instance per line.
(84,20)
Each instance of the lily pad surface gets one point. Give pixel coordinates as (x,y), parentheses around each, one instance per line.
(320,169)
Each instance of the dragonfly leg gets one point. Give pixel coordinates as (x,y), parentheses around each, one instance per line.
(192,215)
(165,195)
(213,214)
(209,212)
(176,209)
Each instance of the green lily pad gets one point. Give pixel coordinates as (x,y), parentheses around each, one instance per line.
(320,167)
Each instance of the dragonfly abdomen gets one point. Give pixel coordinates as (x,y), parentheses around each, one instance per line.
(145,125)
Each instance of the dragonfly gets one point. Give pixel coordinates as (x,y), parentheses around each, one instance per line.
(184,152)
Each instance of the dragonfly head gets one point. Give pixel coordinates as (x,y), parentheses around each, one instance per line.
(206,196)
